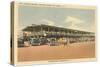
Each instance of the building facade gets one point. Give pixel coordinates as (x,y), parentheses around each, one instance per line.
(46,31)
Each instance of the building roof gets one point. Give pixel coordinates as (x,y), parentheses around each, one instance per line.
(30,28)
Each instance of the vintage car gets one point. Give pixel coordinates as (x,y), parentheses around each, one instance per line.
(43,41)
(53,42)
(35,41)
(20,42)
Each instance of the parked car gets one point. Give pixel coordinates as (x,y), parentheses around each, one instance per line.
(20,42)
(52,42)
(43,41)
(35,41)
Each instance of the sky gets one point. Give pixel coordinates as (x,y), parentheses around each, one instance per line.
(79,19)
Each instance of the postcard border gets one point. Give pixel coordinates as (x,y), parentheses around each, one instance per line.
(16,4)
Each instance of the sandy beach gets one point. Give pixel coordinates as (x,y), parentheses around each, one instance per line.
(45,52)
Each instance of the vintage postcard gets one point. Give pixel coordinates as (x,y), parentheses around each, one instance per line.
(45,33)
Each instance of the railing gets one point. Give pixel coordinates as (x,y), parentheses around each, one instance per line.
(60,33)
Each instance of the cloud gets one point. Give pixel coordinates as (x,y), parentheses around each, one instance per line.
(47,22)
(74,22)
(60,26)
